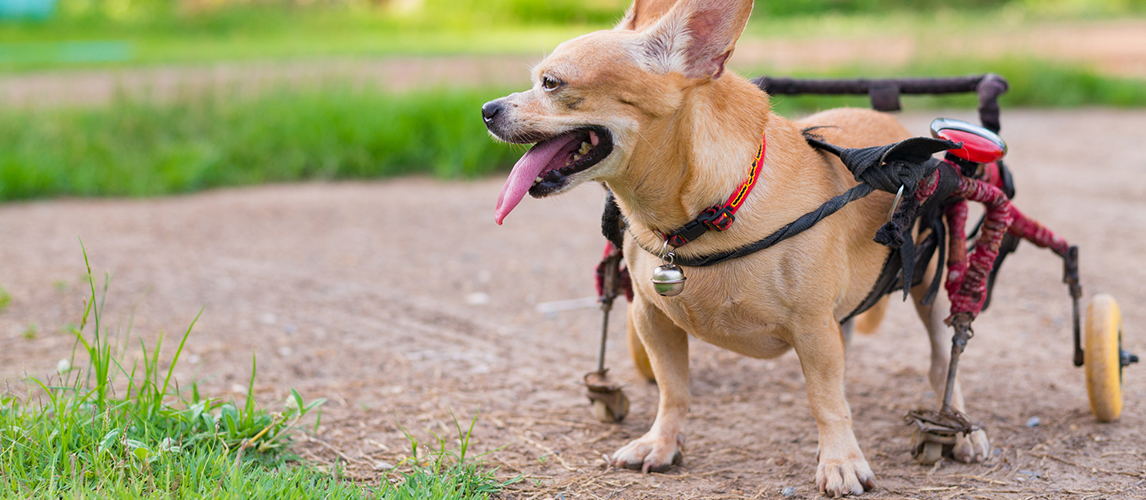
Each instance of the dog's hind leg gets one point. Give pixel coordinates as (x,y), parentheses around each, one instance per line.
(869,321)
(842,469)
(667,347)
(974,447)
(847,330)
(637,350)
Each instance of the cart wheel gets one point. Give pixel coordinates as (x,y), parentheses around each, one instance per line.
(610,405)
(604,413)
(931,453)
(924,450)
(1103,365)
(637,351)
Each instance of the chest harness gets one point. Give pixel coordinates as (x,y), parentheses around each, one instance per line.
(905,168)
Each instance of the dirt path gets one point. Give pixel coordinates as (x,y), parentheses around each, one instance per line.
(1113,47)
(401,301)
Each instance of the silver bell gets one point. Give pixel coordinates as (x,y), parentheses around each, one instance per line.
(668,280)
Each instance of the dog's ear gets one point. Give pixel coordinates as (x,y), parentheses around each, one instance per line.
(696,37)
(644,13)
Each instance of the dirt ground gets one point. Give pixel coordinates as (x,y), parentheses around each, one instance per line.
(400,301)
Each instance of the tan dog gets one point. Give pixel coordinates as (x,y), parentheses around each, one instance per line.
(648,109)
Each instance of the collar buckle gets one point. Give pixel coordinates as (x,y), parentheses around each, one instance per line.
(717,218)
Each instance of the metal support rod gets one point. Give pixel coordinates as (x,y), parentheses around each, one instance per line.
(610,282)
(1070,277)
(606,306)
(988,87)
(1079,358)
(962,324)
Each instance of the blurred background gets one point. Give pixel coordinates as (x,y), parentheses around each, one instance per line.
(148,97)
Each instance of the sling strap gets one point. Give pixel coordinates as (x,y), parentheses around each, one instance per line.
(905,165)
(887,168)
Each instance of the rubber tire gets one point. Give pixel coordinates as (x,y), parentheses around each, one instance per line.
(638,353)
(932,452)
(604,414)
(1101,358)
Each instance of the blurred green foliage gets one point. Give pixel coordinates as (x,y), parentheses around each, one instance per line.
(200,141)
(1036,7)
(527,11)
(807,7)
(138,148)
(99,33)
(226,15)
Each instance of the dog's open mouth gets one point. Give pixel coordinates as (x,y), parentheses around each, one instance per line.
(546,167)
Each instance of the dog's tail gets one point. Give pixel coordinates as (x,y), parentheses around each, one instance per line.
(868,322)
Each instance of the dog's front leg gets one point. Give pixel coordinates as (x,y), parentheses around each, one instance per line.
(667,347)
(842,469)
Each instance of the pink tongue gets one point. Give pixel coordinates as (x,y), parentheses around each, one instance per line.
(528,168)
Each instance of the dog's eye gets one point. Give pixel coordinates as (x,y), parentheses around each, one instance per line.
(549,83)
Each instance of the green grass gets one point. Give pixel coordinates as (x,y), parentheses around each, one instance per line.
(274,32)
(115,430)
(141,148)
(442,473)
(105,50)
(95,33)
(210,140)
(136,148)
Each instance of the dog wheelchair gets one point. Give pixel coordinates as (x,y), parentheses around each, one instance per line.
(933,207)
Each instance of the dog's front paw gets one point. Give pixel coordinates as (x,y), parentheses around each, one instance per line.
(972,448)
(849,475)
(650,453)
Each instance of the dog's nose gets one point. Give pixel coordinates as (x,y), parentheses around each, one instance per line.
(489,110)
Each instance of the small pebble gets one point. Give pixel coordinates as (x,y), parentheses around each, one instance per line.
(788,492)
(1033,422)
(477,299)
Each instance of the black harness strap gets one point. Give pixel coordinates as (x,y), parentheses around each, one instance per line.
(888,168)
(903,165)
(892,277)
(793,228)
(932,215)
(613,221)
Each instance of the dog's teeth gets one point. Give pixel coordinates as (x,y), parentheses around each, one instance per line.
(537,180)
(584,148)
(576,157)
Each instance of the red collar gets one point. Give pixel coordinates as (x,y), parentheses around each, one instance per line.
(720,217)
